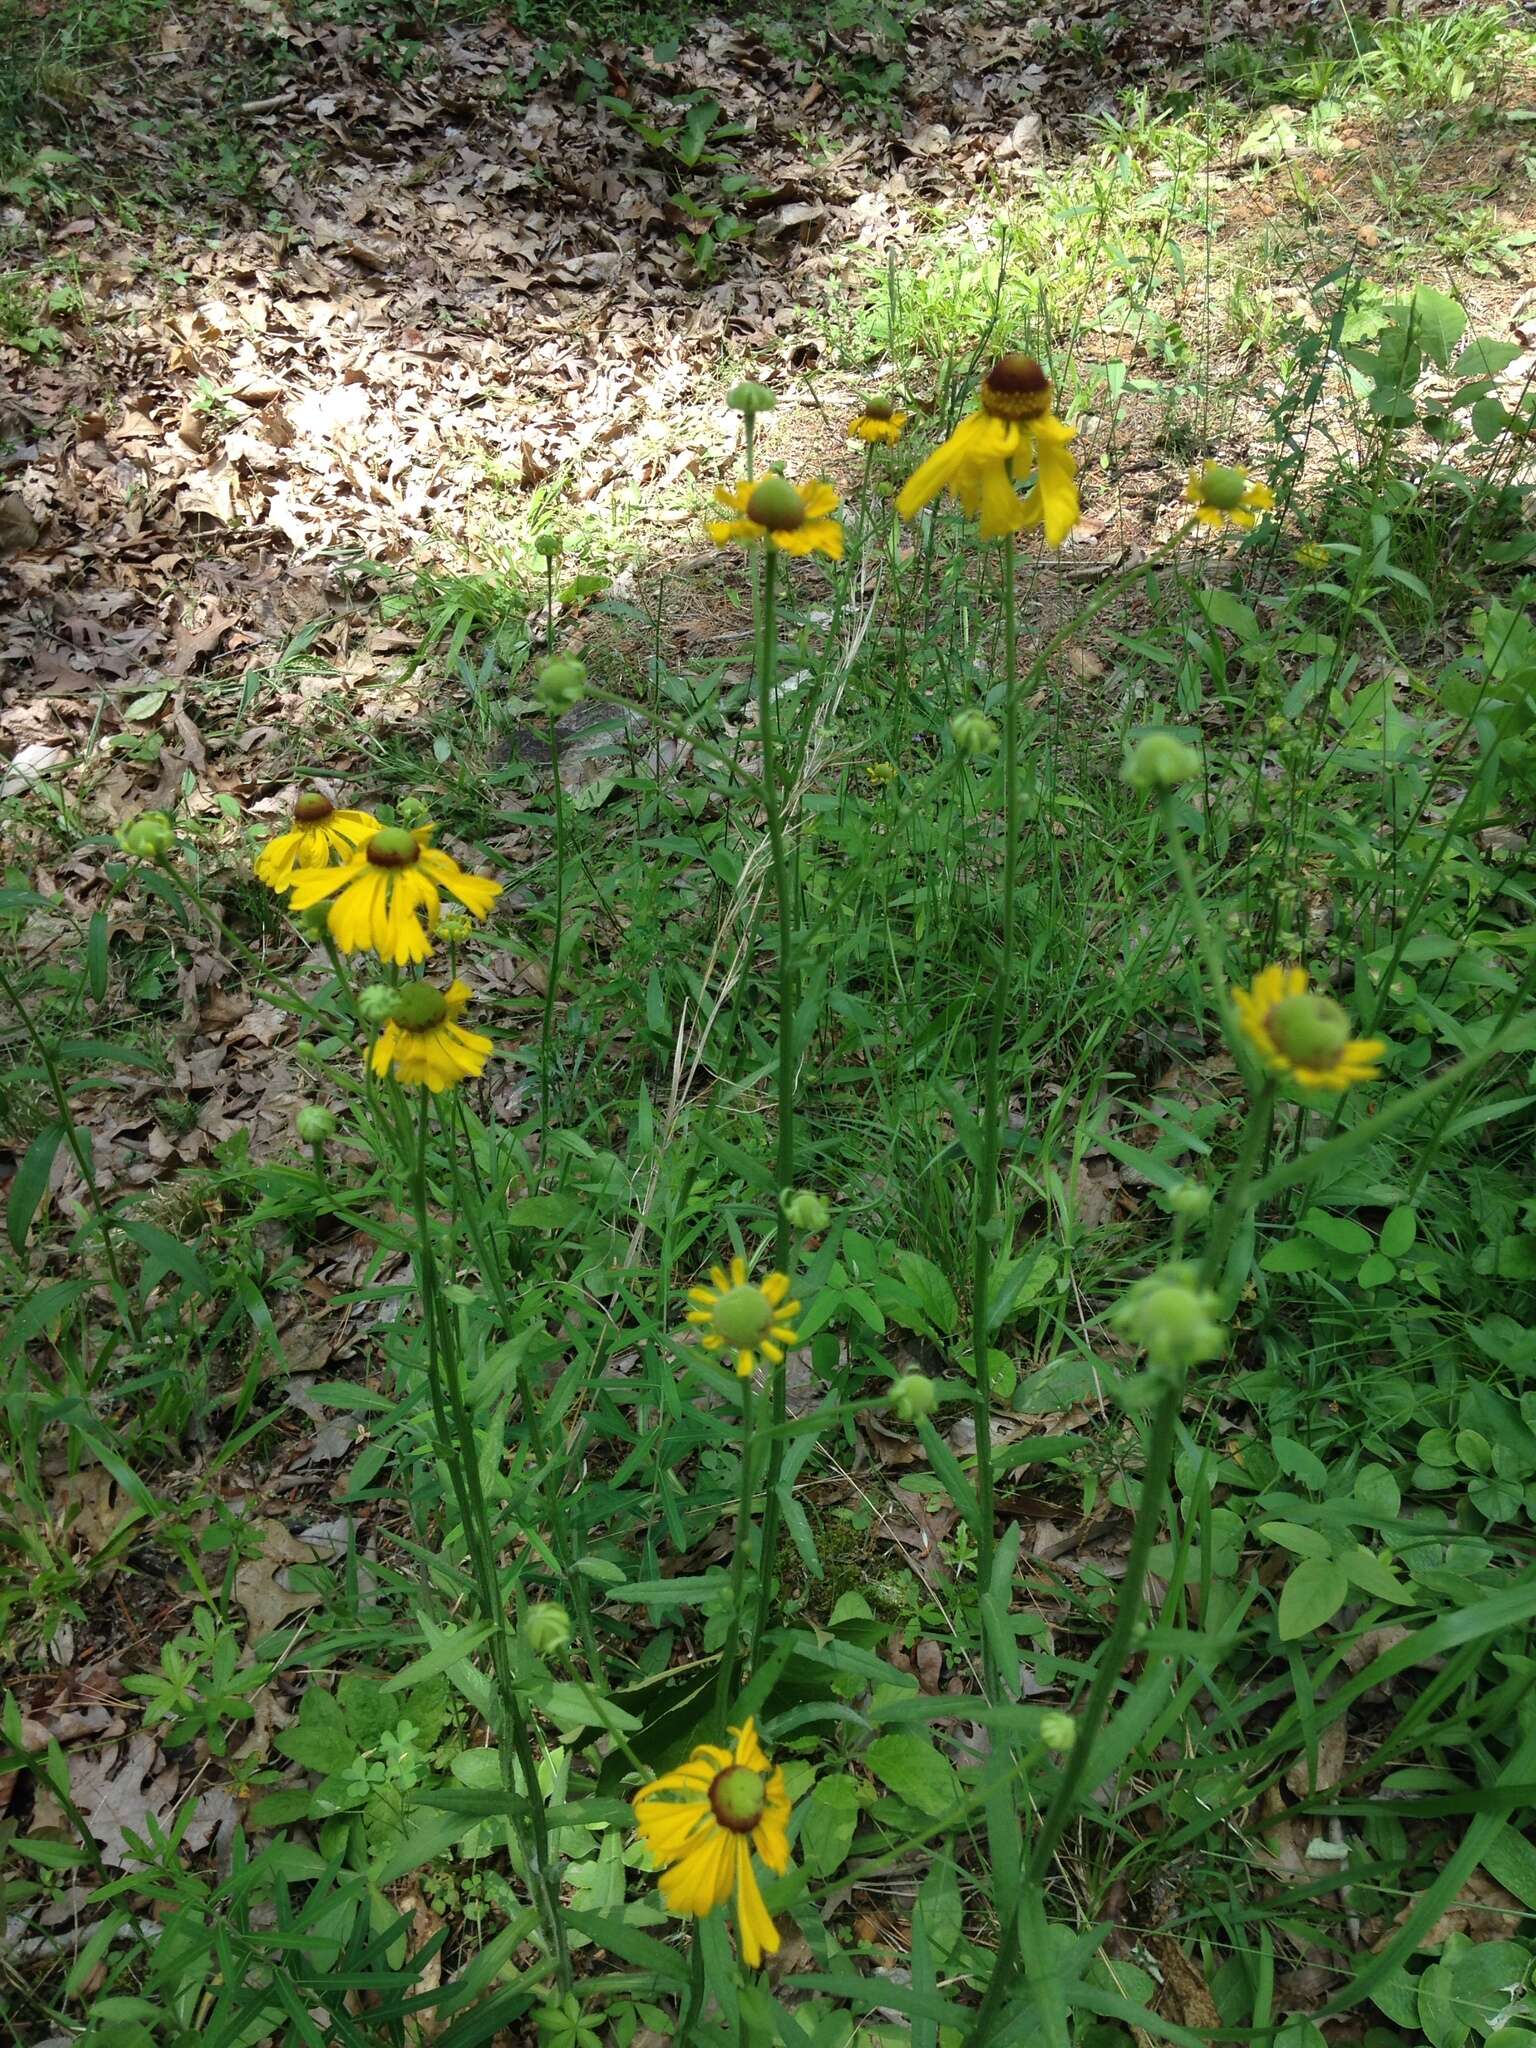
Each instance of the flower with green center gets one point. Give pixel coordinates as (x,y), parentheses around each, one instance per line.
(701,1824)
(1159,761)
(980,460)
(1225,497)
(318,835)
(1302,1037)
(785,516)
(913,1396)
(561,684)
(149,836)
(974,734)
(1173,1318)
(424,1043)
(736,1315)
(394,874)
(878,420)
(881,773)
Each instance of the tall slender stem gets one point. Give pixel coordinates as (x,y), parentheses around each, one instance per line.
(784,1166)
(552,982)
(730,1654)
(549,604)
(985,1230)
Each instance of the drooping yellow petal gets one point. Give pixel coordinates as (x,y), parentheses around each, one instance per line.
(759,1936)
(702,1879)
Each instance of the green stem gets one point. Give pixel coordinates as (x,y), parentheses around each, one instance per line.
(549,604)
(725,1679)
(985,1230)
(1234,1200)
(784,1168)
(458,1450)
(552,983)
(1107,1671)
(81,1154)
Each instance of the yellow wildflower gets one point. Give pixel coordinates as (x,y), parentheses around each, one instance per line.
(881,773)
(1303,1038)
(378,892)
(736,1315)
(1311,556)
(979,460)
(775,510)
(878,420)
(424,1042)
(319,834)
(701,1823)
(1224,497)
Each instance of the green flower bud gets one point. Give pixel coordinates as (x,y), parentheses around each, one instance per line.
(413,812)
(547,1630)
(561,683)
(913,1396)
(805,1210)
(455,928)
(1191,1201)
(549,545)
(314,1123)
(750,398)
(1159,761)
(1058,1731)
(149,836)
(1172,1318)
(376,1004)
(973,733)
(882,773)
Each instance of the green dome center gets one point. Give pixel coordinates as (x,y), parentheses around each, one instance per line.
(1311,1030)
(420,1006)
(737,1798)
(742,1315)
(1223,488)
(394,847)
(777,505)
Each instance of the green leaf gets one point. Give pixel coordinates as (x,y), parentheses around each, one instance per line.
(546,1212)
(1293,1536)
(168,1253)
(1342,1232)
(571,1706)
(1489,419)
(1223,609)
(318,1739)
(1437,323)
(1297,1462)
(31,1184)
(828,1821)
(914,1770)
(1293,1255)
(1376,1271)
(1372,1574)
(933,1291)
(1484,358)
(1399,1232)
(452,1650)
(1313,1594)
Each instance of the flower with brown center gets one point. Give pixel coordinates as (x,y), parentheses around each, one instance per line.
(878,420)
(979,461)
(319,835)
(392,876)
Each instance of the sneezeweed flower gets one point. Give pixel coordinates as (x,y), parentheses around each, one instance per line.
(878,420)
(913,1396)
(734,1314)
(979,461)
(881,773)
(1171,1317)
(1159,760)
(1224,497)
(784,515)
(1311,556)
(319,835)
(701,1824)
(149,836)
(394,874)
(805,1209)
(425,1044)
(1301,1037)
(973,733)
(547,1629)
(561,684)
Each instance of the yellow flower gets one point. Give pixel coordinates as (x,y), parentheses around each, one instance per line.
(979,459)
(1310,556)
(878,420)
(424,1042)
(1224,497)
(1303,1038)
(882,773)
(735,1315)
(378,892)
(775,510)
(701,1823)
(320,833)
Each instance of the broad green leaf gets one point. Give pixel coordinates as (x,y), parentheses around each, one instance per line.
(1313,1594)
(1372,1574)
(1342,1232)
(1484,358)
(914,1770)
(1399,1232)
(31,1184)
(828,1821)
(1436,323)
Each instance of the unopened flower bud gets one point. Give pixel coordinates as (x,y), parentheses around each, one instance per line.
(149,836)
(913,1396)
(1058,1731)
(455,928)
(1190,1200)
(1172,1318)
(804,1209)
(750,398)
(882,773)
(973,733)
(413,811)
(376,1003)
(561,683)
(1159,761)
(549,545)
(547,1629)
(315,1123)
